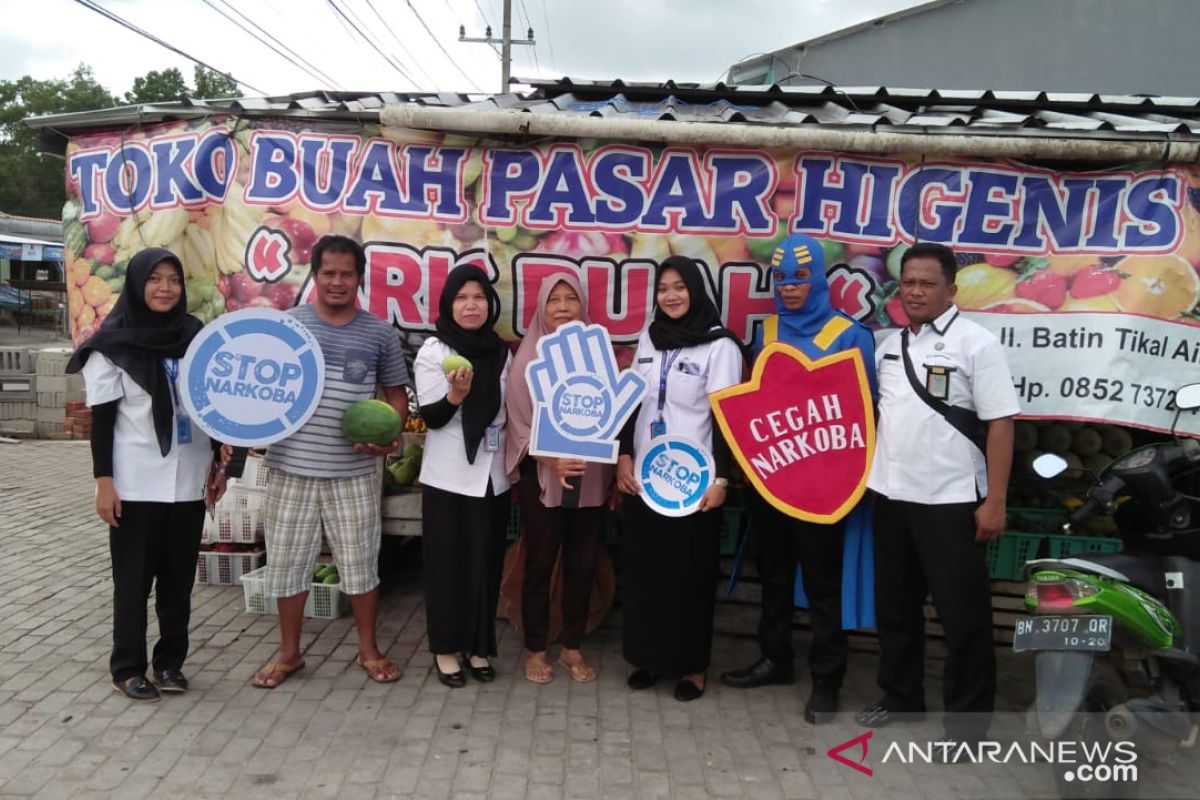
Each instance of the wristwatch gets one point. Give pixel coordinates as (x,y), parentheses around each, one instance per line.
(722,482)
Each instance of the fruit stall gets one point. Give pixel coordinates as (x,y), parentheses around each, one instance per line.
(1075,221)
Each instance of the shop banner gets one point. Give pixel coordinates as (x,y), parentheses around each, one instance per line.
(242,201)
(1100,366)
(803,431)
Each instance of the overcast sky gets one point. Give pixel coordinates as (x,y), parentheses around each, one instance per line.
(688,40)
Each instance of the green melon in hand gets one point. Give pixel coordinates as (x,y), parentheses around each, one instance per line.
(451,363)
(371,422)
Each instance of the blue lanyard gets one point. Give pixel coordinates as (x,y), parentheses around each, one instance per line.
(171,367)
(664,369)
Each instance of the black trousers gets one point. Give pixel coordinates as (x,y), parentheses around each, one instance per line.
(781,541)
(921,549)
(463,558)
(578,533)
(155,545)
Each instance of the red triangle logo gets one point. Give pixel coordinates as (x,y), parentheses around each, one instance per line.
(835,752)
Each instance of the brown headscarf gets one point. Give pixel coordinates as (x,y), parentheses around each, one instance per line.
(598,477)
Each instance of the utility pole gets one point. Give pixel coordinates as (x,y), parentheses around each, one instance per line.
(505,41)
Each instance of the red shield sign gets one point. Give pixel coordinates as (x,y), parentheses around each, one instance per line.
(803,431)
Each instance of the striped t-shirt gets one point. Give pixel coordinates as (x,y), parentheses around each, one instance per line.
(358,355)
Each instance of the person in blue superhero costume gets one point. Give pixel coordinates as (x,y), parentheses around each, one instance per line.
(835,580)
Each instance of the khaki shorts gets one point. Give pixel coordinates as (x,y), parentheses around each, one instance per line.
(298,508)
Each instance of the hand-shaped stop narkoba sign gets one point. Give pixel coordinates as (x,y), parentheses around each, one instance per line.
(803,431)
(580,401)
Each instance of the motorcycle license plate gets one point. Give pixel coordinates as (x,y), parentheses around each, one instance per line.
(1067,632)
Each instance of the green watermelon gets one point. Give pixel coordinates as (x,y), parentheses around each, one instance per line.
(371,422)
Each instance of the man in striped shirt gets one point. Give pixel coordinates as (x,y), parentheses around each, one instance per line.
(319,481)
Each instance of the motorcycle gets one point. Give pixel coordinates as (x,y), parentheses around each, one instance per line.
(1116,636)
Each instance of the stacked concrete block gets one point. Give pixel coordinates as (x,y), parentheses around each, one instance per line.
(56,393)
(18,407)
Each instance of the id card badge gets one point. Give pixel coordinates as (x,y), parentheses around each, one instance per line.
(937,382)
(183,429)
(658,428)
(491,439)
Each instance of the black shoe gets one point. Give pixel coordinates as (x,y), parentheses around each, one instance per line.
(686,691)
(880,716)
(763,672)
(170,680)
(455,680)
(822,703)
(484,674)
(137,689)
(641,679)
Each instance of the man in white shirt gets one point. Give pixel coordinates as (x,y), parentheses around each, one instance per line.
(941,496)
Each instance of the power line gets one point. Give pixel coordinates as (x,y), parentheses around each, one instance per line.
(449,57)
(279,47)
(332,4)
(104,12)
(400,44)
(529,25)
(549,41)
(483,14)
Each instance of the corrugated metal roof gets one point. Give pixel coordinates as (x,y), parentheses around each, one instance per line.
(894,109)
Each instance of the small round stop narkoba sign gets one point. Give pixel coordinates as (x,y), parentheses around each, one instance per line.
(674,473)
(252,377)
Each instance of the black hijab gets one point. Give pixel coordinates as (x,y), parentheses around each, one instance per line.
(701,323)
(137,339)
(484,348)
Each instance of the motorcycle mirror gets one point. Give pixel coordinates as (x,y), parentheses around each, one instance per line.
(1049,465)
(1188,397)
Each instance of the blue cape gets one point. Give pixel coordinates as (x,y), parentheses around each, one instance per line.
(800,260)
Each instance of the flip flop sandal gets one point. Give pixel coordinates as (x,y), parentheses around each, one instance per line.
(376,667)
(535,675)
(271,670)
(581,672)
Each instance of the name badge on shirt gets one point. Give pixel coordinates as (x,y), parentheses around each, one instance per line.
(183,429)
(658,428)
(937,382)
(491,439)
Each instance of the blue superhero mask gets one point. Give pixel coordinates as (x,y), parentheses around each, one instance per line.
(799,260)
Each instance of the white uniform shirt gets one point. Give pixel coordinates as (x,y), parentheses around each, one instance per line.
(444,465)
(695,372)
(140,471)
(919,456)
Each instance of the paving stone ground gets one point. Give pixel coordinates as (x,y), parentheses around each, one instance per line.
(329,732)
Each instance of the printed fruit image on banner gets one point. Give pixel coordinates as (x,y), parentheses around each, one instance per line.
(242,201)
(803,431)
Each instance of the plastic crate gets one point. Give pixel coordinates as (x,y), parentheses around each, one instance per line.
(1006,556)
(18,388)
(241,498)
(731,525)
(254,474)
(1036,520)
(17,361)
(514,521)
(234,526)
(1065,546)
(225,569)
(325,600)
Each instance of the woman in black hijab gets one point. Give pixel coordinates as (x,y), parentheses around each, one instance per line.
(669,564)
(152,468)
(460,374)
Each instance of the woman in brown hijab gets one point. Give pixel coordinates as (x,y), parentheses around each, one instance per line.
(549,525)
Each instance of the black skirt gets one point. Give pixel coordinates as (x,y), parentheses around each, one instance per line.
(463,542)
(669,576)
